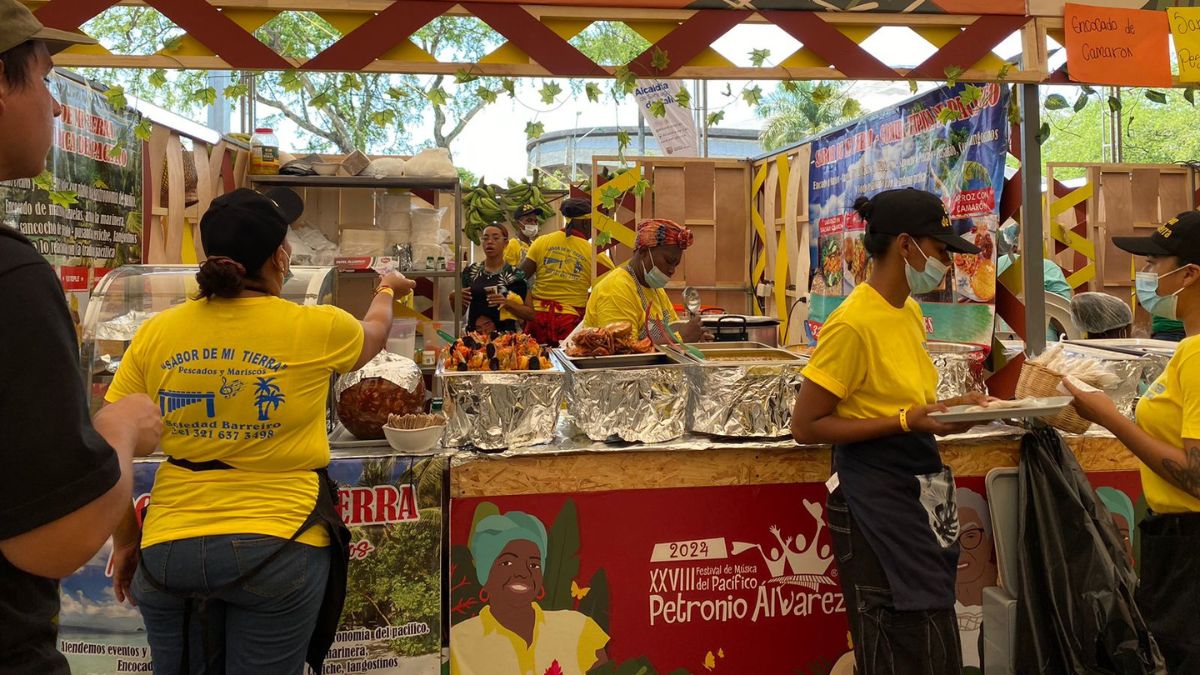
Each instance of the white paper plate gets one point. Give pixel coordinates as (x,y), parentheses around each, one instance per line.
(1037,407)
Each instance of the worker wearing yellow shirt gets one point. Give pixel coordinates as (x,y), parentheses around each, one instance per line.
(869,390)
(1166,438)
(635,292)
(562,263)
(528,221)
(244,535)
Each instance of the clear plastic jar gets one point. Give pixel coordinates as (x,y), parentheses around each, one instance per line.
(264,152)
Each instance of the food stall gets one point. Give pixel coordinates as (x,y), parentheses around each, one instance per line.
(680,519)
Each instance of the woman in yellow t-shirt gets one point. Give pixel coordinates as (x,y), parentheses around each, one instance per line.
(242,525)
(1166,438)
(869,391)
(561,269)
(635,293)
(513,635)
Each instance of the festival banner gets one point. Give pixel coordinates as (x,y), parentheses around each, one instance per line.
(730,580)
(85,214)
(674,128)
(952,141)
(392,621)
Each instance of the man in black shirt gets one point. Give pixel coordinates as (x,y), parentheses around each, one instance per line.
(65,481)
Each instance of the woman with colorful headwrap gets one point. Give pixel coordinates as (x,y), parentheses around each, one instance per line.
(635,292)
(513,635)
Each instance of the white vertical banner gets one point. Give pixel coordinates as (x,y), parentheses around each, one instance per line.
(676,130)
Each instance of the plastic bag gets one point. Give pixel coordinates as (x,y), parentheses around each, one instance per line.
(431,163)
(1077,612)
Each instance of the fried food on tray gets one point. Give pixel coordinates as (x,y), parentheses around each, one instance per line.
(480,352)
(611,340)
(983,282)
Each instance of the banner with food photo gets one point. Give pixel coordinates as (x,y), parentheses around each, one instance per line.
(952,142)
(392,620)
(732,579)
(84,213)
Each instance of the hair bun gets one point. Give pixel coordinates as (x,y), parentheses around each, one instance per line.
(864,207)
(221,276)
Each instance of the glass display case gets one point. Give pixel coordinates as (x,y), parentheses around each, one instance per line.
(127,296)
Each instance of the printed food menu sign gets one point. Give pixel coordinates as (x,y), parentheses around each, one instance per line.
(959,157)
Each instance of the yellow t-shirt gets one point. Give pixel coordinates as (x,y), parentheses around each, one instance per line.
(872,356)
(515,251)
(616,298)
(245,382)
(481,646)
(1170,412)
(564,271)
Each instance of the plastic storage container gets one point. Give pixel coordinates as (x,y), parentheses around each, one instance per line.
(264,152)
(402,338)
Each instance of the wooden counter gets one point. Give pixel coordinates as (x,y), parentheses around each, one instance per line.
(484,475)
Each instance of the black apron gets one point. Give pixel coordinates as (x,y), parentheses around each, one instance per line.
(324,512)
(903,498)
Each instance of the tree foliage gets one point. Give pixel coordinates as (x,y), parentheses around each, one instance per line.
(1152,133)
(795,110)
(341,112)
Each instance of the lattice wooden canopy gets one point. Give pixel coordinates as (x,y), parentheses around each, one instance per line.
(375,36)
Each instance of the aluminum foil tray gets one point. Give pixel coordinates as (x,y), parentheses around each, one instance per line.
(959,367)
(638,398)
(747,391)
(502,409)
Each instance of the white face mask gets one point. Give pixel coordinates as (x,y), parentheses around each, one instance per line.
(531,229)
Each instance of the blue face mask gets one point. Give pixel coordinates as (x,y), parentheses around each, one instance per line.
(928,280)
(654,276)
(1164,306)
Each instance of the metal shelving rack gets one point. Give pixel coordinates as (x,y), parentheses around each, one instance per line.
(446,185)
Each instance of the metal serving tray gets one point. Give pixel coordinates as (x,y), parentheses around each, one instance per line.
(637,398)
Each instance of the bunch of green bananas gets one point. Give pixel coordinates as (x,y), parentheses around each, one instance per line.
(481,207)
(520,193)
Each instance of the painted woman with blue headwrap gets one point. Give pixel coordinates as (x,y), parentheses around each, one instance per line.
(513,635)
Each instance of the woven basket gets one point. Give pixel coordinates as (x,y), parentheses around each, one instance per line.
(1039,382)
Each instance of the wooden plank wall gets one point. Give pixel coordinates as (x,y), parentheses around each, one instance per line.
(1128,200)
(711,196)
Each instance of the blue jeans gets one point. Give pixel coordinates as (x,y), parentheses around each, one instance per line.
(262,626)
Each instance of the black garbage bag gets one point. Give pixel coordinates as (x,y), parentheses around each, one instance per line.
(1075,585)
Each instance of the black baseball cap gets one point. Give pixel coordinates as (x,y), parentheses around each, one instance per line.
(913,212)
(1178,237)
(288,202)
(243,225)
(528,210)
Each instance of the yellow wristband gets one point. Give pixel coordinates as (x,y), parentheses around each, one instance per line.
(904,420)
(385,289)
